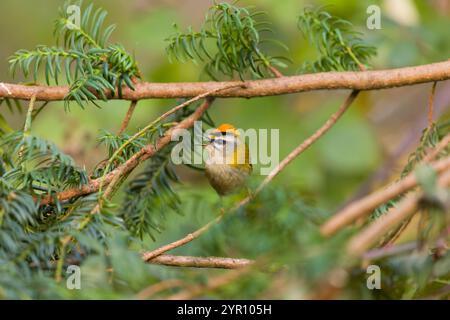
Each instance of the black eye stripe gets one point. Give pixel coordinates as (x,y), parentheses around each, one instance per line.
(220,141)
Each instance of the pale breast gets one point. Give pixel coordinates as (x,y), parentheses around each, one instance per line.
(226,179)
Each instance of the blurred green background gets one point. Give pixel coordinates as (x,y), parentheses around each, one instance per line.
(381,125)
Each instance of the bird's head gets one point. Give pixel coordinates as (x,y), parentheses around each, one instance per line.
(222,136)
(225,143)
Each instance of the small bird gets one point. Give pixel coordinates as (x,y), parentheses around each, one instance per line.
(228,164)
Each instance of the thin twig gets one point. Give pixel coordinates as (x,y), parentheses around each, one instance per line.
(295,153)
(431,104)
(29,117)
(275,72)
(127,118)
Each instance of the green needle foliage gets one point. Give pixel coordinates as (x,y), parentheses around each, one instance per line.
(90,64)
(230,41)
(340,47)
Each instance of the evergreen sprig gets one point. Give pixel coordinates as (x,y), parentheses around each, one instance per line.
(340,47)
(91,65)
(33,164)
(30,234)
(229,41)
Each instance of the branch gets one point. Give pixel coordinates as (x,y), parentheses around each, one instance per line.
(127,118)
(362,80)
(431,104)
(295,153)
(199,262)
(365,206)
(406,208)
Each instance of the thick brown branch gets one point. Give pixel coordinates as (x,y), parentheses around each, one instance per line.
(199,262)
(362,80)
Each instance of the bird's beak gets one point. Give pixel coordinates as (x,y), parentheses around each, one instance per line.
(207,142)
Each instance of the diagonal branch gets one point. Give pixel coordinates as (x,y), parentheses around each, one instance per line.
(295,153)
(127,118)
(361,80)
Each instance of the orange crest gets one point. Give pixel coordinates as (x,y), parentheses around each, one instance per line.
(226,127)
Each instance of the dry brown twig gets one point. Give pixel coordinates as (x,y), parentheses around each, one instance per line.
(275,72)
(295,153)
(431,104)
(127,118)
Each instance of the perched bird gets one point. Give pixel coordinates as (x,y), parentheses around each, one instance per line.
(228,164)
